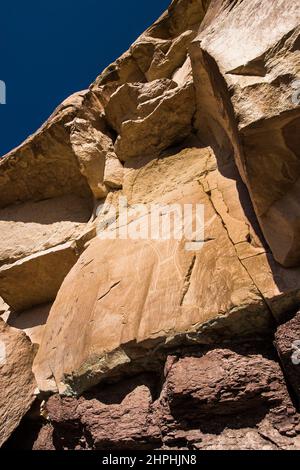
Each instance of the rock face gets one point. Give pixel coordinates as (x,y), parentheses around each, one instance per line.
(17,380)
(244,76)
(178,295)
(287,342)
(47,270)
(141,116)
(3,307)
(32,227)
(32,321)
(149,339)
(233,398)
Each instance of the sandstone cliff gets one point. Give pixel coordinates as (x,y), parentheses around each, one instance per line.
(143,343)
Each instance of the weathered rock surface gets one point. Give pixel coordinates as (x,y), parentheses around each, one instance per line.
(226,390)
(158,53)
(45,165)
(3,307)
(45,205)
(150,117)
(200,110)
(233,398)
(244,74)
(32,227)
(33,235)
(37,278)
(214,292)
(287,342)
(32,322)
(199,293)
(94,149)
(16,377)
(125,425)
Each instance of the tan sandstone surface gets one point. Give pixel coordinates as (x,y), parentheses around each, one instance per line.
(251,111)
(17,380)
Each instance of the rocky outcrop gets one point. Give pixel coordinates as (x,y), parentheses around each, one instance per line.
(178,297)
(45,166)
(3,307)
(17,380)
(224,398)
(39,243)
(287,343)
(32,227)
(159,52)
(227,288)
(244,74)
(95,153)
(198,112)
(32,321)
(47,204)
(47,271)
(141,116)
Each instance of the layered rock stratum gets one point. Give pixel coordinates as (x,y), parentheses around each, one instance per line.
(143,343)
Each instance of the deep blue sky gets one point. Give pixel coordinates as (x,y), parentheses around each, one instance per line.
(49,50)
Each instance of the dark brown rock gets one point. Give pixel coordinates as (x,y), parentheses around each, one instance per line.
(223,382)
(224,398)
(116,418)
(45,439)
(287,343)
